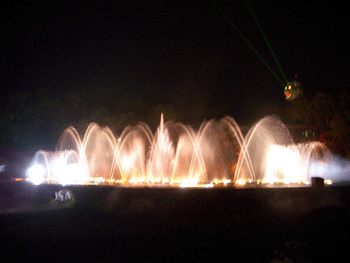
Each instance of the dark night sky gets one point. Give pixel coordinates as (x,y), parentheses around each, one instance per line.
(155,51)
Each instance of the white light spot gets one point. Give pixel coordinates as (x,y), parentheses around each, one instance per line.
(36,174)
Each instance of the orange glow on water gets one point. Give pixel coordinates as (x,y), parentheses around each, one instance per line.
(328,182)
(241,182)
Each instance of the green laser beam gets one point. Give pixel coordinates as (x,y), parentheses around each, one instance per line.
(267,42)
(248,43)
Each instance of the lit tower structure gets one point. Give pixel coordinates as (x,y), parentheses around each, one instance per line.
(293,90)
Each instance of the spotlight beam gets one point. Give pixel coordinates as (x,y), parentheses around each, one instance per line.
(267,42)
(248,43)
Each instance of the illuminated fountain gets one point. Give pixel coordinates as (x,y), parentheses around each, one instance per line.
(62,167)
(177,155)
(274,158)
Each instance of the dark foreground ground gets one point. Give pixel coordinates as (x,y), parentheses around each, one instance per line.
(106,224)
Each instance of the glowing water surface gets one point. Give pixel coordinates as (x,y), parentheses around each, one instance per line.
(177,155)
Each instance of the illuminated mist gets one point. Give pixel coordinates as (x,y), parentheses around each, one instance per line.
(177,155)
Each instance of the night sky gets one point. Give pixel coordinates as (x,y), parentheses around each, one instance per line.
(157,52)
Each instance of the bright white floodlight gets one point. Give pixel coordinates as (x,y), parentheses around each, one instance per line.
(36,174)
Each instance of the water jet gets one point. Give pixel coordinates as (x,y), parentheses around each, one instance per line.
(177,155)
